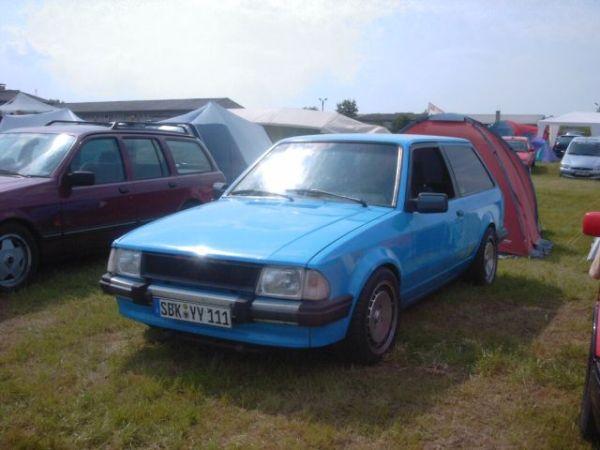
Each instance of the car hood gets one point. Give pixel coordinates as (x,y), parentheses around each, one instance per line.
(10,184)
(253,229)
(583,161)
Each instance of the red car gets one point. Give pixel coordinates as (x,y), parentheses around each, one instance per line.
(522,148)
(67,189)
(589,420)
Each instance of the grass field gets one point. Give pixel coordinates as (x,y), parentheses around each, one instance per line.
(474,367)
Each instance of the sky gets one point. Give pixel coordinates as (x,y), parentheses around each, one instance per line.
(470,56)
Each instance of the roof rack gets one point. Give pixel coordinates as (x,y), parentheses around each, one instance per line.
(79,122)
(181,128)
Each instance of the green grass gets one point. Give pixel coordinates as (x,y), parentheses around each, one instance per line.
(474,367)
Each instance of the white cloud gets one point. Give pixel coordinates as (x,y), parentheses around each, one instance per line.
(256,52)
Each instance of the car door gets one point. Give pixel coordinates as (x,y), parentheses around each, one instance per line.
(429,234)
(93,216)
(472,180)
(157,191)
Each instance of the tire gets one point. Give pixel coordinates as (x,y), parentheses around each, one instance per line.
(19,257)
(483,269)
(587,425)
(374,324)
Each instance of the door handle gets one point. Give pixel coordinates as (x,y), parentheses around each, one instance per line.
(172,184)
(460,213)
(123,190)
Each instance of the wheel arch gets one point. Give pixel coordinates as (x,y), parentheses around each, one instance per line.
(25,224)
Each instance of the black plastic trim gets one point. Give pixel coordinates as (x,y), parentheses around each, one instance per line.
(304,313)
(123,287)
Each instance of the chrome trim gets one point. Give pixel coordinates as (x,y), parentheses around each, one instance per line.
(194,296)
(397,180)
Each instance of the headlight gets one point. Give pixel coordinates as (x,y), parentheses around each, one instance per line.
(125,262)
(292,283)
(565,166)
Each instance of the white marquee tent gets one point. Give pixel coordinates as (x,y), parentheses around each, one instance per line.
(36,120)
(24,104)
(572,119)
(285,122)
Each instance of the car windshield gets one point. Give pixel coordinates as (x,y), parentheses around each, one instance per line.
(32,154)
(518,146)
(564,140)
(336,171)
(584,148)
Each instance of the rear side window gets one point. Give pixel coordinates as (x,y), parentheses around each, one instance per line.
(102,158)
(188,157)
(469,172)
(146,158)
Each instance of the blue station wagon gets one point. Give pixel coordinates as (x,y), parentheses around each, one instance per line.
(324,239)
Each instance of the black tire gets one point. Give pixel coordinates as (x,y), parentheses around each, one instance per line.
(19,257)
(374,324)
(483,270)
(587,424)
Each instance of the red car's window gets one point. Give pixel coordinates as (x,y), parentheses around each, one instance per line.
(146,158)
(101,157)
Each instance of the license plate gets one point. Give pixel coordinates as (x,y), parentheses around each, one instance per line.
(193,312)
(582,173)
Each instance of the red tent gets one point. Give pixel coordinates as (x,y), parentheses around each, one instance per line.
(520,204)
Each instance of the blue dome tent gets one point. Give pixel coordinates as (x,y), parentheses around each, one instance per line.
(234,143)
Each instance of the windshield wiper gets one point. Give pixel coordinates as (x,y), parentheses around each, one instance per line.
(260,192)
(320,193)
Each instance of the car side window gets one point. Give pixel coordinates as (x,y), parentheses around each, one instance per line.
(429,173)
(188,156)
(470,174)
(146,157)
(101,157)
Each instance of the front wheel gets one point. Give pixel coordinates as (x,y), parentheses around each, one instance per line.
(484,266)
(372,329)
(18,257)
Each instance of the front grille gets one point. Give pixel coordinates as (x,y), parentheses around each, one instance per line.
(582,168)
(201,271)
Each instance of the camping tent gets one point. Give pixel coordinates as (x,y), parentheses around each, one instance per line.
(572,119)
(510,128)
(520,204)
(233,142)
(543,152)
(24,104)
(286,122)
(35,120)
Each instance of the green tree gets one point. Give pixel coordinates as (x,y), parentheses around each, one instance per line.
(348,108)
(401,121)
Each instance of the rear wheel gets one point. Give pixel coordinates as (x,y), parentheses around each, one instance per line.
(372,330)
(485,264)
(18,257)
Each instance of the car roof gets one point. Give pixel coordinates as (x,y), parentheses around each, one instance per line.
(383,138)
(84,129)
(588,139)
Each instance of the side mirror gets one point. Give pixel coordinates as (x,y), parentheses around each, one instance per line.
(431,202)
(81,178)
(219,189)
(591,224)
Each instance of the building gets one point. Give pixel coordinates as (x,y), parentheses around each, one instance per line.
(142,110)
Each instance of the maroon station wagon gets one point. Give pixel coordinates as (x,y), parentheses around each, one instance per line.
(67,189)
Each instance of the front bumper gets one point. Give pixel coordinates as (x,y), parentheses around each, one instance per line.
(574,173)
(243,309)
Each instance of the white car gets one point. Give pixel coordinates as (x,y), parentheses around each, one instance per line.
(582,158)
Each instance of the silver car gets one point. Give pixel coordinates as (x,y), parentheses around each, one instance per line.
(582,158)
